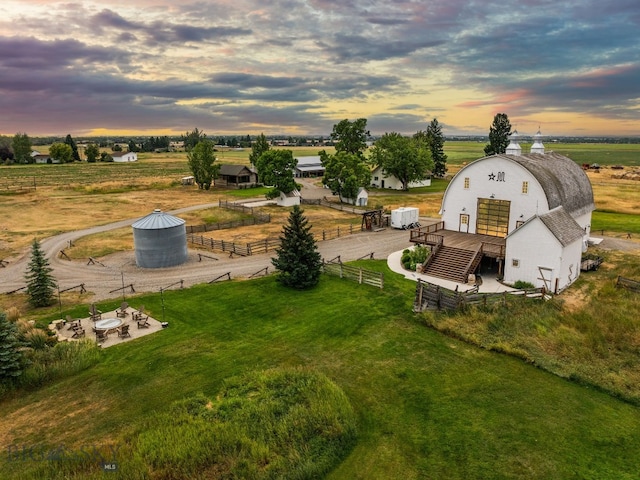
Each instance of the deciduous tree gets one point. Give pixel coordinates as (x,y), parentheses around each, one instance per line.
(351,137)
(92,152)
(345,173)
(260,146)
(40,281)
(201,159)
(298,261)
(407,159)
(61,152)
(275,167)
(191,139)
(498,135)
(21,145)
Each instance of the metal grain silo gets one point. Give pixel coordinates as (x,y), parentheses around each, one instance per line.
(160,240)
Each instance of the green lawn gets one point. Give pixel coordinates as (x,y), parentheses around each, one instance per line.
(615,222)
(428,406)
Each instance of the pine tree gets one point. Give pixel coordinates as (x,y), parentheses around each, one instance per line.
(498,135)
(298,262)
(436,145)
(40,282)
(11,356)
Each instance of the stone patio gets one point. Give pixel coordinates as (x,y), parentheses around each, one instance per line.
(66,335)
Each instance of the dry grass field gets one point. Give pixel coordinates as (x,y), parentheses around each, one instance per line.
(74,197)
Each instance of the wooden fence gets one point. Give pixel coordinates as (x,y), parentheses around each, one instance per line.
(357,274)
(256,218)
(262,246)
(435,297)
(628,283)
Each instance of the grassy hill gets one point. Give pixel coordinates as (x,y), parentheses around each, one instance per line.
(427,405)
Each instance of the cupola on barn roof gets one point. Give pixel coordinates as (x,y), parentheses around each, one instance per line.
(514,147)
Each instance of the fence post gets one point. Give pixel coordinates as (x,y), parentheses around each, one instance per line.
(360,276)
(338,232)
(323,235)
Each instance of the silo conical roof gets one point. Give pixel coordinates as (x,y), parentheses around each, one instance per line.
(158,220)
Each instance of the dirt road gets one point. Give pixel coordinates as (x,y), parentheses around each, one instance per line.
(120,269)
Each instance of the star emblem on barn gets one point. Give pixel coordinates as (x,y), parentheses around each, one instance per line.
(492,176)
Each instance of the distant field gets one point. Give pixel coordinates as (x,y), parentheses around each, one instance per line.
(601,153)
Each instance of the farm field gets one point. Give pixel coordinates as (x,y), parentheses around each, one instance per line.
(427,406)
(73,196)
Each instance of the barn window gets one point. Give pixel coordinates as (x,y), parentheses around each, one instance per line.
(525,187)
(515,262)
(375,178)
(466,183)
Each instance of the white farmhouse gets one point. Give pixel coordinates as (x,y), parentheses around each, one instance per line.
(124,156)
(380,179)
(539,204)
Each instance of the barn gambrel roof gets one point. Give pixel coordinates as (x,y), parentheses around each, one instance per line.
(563,180)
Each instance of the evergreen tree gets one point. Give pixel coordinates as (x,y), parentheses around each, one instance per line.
(298,262)
(498,135)
(74,148)
(435,140)
(40,282)
(11,356)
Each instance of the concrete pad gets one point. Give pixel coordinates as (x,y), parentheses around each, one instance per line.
(65,334)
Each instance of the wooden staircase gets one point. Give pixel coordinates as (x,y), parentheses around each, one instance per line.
(453,264)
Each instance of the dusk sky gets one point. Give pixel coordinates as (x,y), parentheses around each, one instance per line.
(162,67)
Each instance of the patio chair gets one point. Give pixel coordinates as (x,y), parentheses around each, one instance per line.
(101,336)
(139,314)
(72,323)
(78,332)
(94,313)
(122,311)
(143,322)
(123,331)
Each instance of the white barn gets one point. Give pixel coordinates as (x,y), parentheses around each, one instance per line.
(380,179)
(539,203)
(124,156)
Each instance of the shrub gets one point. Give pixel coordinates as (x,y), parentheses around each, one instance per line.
(410,258)
(522,285)
(273,424)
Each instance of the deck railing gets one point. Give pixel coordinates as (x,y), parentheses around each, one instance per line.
(496,249)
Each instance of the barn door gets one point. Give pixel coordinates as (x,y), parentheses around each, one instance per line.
(546,275)
(464,223)
(493,217)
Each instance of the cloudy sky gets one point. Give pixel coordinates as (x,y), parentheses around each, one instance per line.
(298,67)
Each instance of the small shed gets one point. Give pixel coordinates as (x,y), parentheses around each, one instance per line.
(289,199)
(160,240)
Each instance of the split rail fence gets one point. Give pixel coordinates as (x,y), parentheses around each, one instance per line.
(628,283)
(357,274)
(435,297)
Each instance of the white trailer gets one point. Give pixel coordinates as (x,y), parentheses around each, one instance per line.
(404,217)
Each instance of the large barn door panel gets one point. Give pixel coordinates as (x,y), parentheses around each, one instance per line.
(493,217)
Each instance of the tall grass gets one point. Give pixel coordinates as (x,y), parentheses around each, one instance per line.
(63,360)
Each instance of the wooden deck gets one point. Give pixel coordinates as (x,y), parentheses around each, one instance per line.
(491,246)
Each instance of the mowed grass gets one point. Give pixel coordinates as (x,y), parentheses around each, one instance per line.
(427,406)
